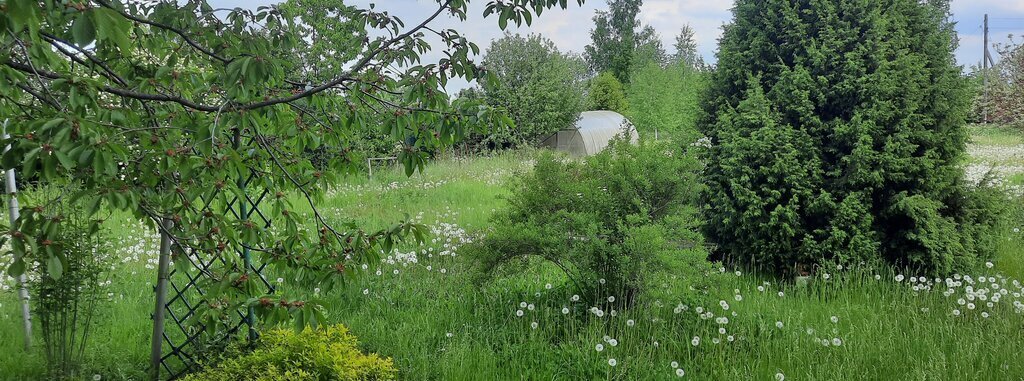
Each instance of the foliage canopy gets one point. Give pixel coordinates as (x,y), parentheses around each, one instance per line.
(170,110)
(619,43)
(606,93)
(665,101)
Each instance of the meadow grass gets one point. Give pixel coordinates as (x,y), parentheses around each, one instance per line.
(995,135)
(421,307)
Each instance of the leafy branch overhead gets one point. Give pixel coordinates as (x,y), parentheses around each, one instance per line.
(171,110)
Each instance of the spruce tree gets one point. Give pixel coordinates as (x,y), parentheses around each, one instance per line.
(836,132)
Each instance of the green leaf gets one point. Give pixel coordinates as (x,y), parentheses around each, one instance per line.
(52,123)
(83,30)
(65,160)
(17,268)
(23,13)
(54,267)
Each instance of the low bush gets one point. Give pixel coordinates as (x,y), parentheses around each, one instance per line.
(331,353)
(615,223)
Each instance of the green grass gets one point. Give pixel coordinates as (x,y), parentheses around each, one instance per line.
(1016,179)
(995,135)
(440,326)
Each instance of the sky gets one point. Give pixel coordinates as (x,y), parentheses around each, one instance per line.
(570,28)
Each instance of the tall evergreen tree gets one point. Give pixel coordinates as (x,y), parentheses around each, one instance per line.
(836,130)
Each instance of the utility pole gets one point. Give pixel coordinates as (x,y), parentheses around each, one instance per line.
(12,191)
(984,75)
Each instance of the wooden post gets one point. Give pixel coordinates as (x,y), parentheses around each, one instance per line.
(12,191)
(162,279)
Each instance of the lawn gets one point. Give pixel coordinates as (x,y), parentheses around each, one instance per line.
(421,307)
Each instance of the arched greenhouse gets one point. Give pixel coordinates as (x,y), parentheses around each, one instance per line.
(591,133)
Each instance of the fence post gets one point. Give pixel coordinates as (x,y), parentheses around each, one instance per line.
(12,191)
(163,277)
(243,212)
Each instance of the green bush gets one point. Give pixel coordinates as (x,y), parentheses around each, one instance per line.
(614,223)
(313,354)
(606,93)
(65,274)
(837,134)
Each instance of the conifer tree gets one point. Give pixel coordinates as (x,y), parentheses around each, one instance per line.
(836,130)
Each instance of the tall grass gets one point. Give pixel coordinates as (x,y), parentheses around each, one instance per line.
(423,310)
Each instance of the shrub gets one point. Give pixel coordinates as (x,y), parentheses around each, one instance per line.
(606,93)
(837,133)
(66,277)
(611,223)
(330,353)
